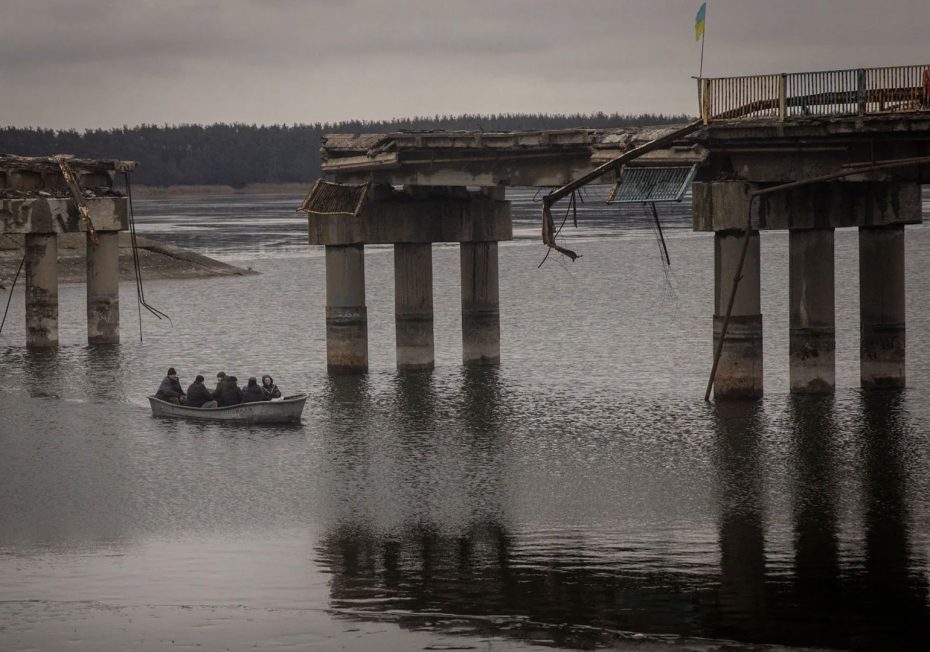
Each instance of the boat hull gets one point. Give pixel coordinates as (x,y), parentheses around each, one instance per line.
(287,410)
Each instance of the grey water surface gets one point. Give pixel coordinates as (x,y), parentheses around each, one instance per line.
(580,495)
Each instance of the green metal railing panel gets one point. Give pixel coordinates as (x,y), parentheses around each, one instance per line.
(652,184)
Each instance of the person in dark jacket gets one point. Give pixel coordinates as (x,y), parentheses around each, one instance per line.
(269,389)
(197,393)
(220,383)
(231,394)
(170,388)
(252,392)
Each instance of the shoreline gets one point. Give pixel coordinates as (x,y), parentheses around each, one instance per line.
(159,192)
(158,260)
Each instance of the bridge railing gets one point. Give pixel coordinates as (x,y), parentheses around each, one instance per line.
(857,91)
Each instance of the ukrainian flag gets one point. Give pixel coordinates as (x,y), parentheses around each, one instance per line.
(699,22)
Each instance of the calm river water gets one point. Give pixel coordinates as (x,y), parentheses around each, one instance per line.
(580,495)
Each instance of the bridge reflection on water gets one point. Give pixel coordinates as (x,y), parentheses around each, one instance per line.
(845,586)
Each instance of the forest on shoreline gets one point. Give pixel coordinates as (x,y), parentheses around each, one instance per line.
(239,154)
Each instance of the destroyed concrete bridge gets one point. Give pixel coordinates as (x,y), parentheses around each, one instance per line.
(807,152)
(44,197)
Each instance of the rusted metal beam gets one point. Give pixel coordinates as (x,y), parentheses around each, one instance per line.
(613,164)
(78,197)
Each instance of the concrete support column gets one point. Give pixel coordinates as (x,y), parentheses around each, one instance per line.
(413,305)
(812,344)
(103,288)
(41,290)
(881,306)
(481,331)
(346,314)
(739,374)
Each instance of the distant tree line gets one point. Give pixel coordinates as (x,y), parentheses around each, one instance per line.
(238,154)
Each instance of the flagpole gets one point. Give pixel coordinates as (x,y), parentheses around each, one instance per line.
(703,34)
(700,23)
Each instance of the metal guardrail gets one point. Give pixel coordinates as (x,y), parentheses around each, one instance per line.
(857,91)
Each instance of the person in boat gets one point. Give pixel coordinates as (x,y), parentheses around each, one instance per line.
(170,389)
(197,394)
(252,392)
(220,383)
(269,389)
(231,394)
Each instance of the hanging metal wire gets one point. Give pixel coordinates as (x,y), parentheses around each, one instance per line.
(12,287)
(140,291)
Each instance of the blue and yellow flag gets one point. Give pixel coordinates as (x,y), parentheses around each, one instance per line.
(699,22)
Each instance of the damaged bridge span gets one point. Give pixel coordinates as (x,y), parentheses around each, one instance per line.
(805,152)
(415,189)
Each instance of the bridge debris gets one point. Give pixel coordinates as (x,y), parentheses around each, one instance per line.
(612,166)
(328,198)
(78,197)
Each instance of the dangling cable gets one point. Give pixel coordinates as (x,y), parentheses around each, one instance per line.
(572,207)
(664,261)
(655,215)
(138,264)
(135,253)
(140,291)
(12,287)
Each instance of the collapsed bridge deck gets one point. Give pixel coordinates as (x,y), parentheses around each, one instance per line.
(489,159)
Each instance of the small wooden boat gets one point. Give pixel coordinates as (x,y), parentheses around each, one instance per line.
(285,410)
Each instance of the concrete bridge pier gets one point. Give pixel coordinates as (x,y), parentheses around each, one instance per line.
(42,206)
(812,323)
(103,288)
(739,373)
(413,305)
(346,312)
(346,217)
(811,213)
(881,306)
(481,330)
(41,290)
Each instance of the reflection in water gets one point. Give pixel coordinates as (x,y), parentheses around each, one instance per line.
(483,437)
(346,449)
(816,544)
(43,372)
(95,373)
(578,589)
(881,603)
(104,373)
(437,555)
(742,535)
(418,556)
(895,600)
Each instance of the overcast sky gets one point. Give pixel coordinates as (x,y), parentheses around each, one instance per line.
(105,63)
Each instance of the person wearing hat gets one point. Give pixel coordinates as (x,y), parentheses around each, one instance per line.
(198,394)
(170,388)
